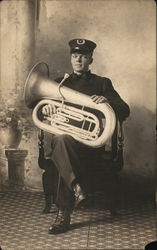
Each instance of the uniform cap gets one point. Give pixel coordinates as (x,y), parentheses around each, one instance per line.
(82,46)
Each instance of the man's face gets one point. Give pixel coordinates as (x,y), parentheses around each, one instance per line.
(81,62)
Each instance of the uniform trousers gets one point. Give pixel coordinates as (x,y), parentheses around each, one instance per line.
(72,160)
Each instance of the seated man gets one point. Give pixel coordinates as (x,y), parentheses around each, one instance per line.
(69,155)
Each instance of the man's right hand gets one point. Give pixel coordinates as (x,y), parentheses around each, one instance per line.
(48,110)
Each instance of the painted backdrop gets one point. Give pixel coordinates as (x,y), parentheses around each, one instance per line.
(125,35)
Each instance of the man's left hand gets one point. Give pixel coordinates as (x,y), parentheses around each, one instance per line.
(99,99)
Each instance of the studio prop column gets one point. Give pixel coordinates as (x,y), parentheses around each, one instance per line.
(17,56)
(16,167)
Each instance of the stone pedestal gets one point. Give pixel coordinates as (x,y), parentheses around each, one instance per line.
(16,166)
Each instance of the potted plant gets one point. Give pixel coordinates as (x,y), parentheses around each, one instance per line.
(10,132)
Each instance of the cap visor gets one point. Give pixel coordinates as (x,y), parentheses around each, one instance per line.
(80,51)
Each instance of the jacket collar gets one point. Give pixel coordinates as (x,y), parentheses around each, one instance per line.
(85,75)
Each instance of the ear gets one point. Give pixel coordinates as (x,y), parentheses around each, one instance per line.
(91,60)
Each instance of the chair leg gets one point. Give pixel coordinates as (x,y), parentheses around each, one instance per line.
(113,208)
(48,203)
(115,196)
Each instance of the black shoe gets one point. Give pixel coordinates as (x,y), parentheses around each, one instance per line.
(62,223)
(79,196)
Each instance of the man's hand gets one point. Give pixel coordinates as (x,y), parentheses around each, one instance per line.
(99,99)
(48,110)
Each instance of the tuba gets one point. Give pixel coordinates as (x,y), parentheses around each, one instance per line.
(73,113)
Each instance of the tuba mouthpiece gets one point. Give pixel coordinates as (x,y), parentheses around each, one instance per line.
(66,75)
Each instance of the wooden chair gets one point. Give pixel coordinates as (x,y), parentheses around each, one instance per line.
(102,176)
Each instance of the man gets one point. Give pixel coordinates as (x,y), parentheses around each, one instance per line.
(66,151)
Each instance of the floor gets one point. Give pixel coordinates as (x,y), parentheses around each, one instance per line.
(23,226)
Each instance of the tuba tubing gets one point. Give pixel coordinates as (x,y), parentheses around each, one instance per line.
(105,108)
(39,91)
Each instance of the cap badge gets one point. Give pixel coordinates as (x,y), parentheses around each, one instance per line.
(80,41)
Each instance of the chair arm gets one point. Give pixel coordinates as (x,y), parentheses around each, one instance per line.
(41,158)
(118,158)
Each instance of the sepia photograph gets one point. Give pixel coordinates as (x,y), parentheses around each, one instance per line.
(78,125)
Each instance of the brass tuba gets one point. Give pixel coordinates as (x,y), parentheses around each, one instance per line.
(74,113)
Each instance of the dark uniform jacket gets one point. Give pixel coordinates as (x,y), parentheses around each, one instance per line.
(91,84)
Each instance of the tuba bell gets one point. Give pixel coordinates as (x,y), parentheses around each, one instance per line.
(74,113)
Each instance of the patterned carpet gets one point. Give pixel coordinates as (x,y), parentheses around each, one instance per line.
(23,226)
